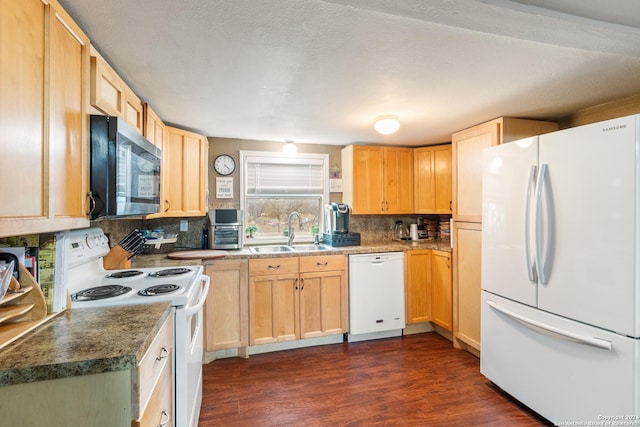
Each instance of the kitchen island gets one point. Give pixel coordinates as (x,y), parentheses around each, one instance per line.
(80,368)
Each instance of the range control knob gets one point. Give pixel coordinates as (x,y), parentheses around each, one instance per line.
(92,241)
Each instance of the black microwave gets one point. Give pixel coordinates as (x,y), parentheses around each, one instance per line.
(124,170)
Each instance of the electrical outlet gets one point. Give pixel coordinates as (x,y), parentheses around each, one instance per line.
(184,225)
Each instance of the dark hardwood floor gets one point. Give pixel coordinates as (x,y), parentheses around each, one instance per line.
(417,380)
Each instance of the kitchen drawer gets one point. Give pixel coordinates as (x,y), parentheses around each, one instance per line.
(158,412)
(284,265)
(153,362)
(310,264)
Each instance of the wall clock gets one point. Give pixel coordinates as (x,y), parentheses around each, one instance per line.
(224,164)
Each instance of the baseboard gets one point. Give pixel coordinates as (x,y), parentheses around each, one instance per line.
(417,328)
(374,335)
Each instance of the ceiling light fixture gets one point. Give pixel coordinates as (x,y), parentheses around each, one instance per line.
(290,147)
(387,125)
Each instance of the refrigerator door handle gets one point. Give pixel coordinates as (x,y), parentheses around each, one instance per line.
(544,328)
(543,265)
(531,263)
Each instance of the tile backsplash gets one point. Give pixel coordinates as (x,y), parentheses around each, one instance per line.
(372,228)
(116,229)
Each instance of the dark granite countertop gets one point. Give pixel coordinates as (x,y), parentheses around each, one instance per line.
(161,260)
(82,342)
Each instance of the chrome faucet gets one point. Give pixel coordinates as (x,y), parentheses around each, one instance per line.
(291,233)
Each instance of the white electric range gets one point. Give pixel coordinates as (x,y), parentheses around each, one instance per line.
(185,288)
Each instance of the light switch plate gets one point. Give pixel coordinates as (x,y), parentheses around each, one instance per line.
(184,225)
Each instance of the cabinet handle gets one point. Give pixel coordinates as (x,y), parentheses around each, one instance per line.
(92,203)
(164,353)
(273,268)
(448,263)
(320,265)
(382,206)
(301,284)
(386,206)
(450,205)
(295,283)
(166,202)
(165,418)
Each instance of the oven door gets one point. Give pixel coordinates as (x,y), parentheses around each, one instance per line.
(226,237)
(189,351)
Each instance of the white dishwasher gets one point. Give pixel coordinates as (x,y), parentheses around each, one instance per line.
(376,296)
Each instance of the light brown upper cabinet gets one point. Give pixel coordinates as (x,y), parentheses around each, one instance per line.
(467,146)
(111,95)
(377,180)
(154,127)
(432,179)
(184,174)
(43,126)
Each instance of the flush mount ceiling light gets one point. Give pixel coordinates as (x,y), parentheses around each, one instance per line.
(290,147)
(387,125)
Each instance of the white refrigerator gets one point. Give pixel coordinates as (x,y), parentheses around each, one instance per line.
(560,316)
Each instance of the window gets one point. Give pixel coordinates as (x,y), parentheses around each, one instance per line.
(273,185)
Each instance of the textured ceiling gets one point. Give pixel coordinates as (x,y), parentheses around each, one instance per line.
(320,71)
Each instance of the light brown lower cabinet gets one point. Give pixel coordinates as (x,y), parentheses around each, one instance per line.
(292,298)
(418,286)
(428,287)
(226,310)
(466,278)
(442,309)
(137,397)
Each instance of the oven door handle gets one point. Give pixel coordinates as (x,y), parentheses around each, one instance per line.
(190,311)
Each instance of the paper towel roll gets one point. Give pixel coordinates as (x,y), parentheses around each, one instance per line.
(414,232)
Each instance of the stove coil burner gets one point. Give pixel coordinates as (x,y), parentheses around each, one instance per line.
(152,291)
(124,274)
(100,292)
(170,272)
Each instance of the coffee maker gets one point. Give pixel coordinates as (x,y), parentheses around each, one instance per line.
(337,218)
(337,226)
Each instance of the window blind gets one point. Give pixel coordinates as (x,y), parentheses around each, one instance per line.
(265,176)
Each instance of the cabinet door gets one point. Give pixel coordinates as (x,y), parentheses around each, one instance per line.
(441,289)
(442,178)
(184,173)
(323,304)
(107,88)
(153,127)
(45,180)
(365,174)
(21,111)
(195,151)
(398,180)
(68,96)
(418,286)
(466,278)
(273,308)
(171,172)
(432,179)
(226,310)
(467,149)
(132,110)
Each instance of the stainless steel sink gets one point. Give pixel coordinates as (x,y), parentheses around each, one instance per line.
(309,248)
(270,249)
(273,249)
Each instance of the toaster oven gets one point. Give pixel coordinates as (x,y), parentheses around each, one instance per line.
(225,229)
